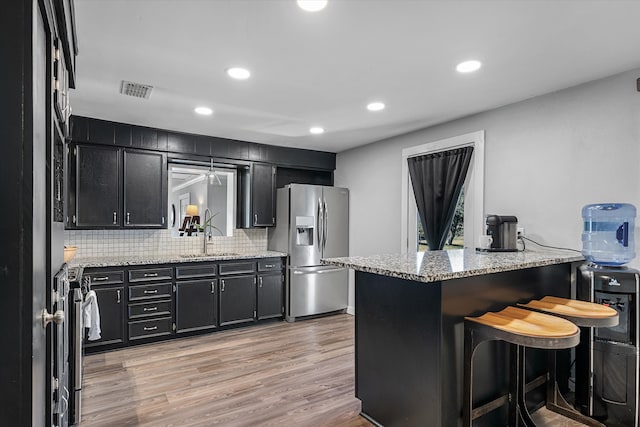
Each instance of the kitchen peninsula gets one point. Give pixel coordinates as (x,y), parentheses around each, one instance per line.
(409,328)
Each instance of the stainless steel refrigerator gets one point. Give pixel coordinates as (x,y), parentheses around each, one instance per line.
(312,222)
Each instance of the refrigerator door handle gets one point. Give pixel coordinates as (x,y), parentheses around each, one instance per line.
(319,224)
(325,226)
(331,270)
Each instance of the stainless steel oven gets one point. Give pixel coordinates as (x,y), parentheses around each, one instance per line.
(76,335)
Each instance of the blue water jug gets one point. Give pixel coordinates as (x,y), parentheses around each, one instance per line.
(607,238)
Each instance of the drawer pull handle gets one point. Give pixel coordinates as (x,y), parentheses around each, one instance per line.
(153,328)
(153,291)
(100,279)
(150,274)
(269,266)
(150,308)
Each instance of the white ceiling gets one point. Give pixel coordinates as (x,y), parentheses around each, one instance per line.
(323,68)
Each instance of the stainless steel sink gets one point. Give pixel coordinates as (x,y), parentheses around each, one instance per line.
(210,255)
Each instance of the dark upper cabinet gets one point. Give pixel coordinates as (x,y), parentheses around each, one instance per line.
(196,305)
(113,187)
(145,188)
(180,143)
(98,171)
(101,132)
(237,300)
(263,194)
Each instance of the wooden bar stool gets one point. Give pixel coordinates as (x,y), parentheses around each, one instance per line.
(585,315)
(521,328)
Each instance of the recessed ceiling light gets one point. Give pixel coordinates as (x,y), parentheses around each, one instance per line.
(312,5)
(205,111)
(375,106)
(316,130)
(469,66)
(238,73)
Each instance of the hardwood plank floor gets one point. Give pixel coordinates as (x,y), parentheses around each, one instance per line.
(277,374)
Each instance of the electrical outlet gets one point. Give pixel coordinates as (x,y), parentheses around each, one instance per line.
(520,231)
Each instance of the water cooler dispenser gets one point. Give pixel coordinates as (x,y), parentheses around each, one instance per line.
(607,359)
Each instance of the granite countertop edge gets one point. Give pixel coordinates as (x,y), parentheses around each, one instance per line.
(437,274)
(169,259)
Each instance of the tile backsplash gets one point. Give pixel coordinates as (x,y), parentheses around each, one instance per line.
(150,243)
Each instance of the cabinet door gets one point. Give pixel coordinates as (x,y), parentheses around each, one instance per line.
(98,172)
(270,296)
(237,300)
(111,304)
(195,305)
(263,192)
(145,189)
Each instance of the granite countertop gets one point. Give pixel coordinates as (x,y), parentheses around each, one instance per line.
(170,259)
(452,264)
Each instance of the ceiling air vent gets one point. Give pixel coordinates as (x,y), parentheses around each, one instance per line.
(135,89)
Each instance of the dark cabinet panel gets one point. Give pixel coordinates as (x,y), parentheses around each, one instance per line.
(150,328)
(142,137)
(202,145)
(122,135)
(100,132)
(263,192)
(259,152)
(97,193)
(196,305)
(180,143)
(79,130)
(145,188)
(285,176)
(152,291)
(270,296)
(229,149)
(112,305)
(237,300)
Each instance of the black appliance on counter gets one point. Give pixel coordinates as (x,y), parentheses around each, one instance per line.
(503,230)
(608,365)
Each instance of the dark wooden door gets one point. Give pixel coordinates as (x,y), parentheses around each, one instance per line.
(237,300)
(111,303)
(98,182)
(145,189)
(270,296)
(196,305)
(263,194)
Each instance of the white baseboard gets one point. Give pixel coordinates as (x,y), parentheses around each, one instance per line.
(351,310)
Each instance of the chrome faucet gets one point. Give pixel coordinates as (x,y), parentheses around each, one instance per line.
(207,223)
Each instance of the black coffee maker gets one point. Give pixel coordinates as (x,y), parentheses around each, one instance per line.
(503,230)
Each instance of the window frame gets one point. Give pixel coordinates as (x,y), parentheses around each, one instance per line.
(473,188)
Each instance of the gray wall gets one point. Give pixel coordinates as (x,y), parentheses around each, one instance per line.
(545,158)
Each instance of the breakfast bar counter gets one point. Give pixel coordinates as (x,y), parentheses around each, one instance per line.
(410,313)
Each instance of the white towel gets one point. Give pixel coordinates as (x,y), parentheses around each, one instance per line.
(91,315)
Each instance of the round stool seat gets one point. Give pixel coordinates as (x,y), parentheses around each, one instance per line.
(528,328)
(582,313)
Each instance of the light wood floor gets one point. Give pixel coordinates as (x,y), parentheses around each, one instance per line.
(277,374)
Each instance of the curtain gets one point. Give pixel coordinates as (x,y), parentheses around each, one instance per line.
(437,181)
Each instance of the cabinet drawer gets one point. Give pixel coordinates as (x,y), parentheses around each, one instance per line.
(193,271)
(156,290)
(148,274)
(159,308)
(272,264)
(149,328)
(237,268)
(105,277)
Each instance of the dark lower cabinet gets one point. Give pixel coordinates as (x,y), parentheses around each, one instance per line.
(270,296)
(111,303)
(196,303)
(237,300)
